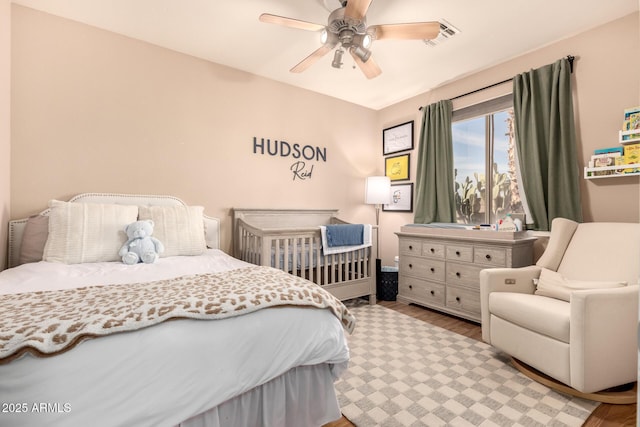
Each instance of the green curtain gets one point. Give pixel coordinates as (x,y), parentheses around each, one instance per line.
(546,143)
(434,181)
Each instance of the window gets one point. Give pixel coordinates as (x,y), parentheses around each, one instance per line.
(484,162)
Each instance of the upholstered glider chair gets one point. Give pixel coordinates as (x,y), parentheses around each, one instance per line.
(573,316)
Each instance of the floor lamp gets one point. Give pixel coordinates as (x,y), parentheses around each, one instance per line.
(377,192)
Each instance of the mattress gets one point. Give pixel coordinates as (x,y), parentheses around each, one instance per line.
(165,374)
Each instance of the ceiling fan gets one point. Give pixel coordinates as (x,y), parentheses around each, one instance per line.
(347,27)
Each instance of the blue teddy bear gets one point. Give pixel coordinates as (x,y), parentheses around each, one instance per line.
(141,246)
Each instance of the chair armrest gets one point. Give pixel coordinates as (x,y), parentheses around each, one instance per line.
(503,280)
(603,337)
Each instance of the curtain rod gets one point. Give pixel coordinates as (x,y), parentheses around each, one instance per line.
(570,58)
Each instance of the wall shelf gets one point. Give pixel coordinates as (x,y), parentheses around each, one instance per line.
(624,133)
(589,172)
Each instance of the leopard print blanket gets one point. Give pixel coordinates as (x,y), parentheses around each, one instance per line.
(47,323)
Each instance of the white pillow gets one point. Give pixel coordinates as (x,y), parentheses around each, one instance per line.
(179,228)
(87,232)
(553,284)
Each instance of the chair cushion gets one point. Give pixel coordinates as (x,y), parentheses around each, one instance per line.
(546,316)
(554,285)
(562,230)
(603,251)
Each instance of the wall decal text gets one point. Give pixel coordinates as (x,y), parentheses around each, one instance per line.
(306,153)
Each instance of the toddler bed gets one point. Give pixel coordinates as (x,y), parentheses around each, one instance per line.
(292,240)
(86,339)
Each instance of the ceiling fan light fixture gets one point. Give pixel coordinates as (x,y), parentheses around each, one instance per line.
(361,53)
(328,38)
(366,41)
(347,29)
(337,58)
(363,40)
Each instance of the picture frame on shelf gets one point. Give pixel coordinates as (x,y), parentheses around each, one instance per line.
(397,138)
(397,167)
(401,198)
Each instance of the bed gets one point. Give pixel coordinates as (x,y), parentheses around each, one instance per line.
(292,240)
(198,338)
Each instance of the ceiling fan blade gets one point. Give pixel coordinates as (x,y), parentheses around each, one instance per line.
(311,59)
(412,31)
(290,22)
(370,68)
(357,9)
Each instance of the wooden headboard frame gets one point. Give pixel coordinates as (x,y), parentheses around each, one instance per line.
(17,226)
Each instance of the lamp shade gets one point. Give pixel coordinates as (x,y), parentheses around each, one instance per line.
(377,190)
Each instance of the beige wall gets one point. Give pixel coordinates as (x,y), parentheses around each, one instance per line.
(95,111)
(605,82)
(5,121)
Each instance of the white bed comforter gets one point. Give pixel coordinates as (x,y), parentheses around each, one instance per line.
(162,375)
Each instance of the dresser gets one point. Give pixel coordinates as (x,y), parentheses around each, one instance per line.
(440,267)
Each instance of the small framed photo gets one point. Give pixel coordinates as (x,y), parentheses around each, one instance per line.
(401,198)
(397,167)
(397,138)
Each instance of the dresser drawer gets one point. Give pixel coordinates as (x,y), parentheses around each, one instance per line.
(410,247)
(432,249)
(460,253)
(463,274)
(495,257)
(463,299)
(422,291)
(423,268)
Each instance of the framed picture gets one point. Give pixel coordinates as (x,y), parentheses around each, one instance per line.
(401,198)
(397,167)
(397,138)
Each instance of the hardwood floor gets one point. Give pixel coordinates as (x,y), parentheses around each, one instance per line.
(604,416)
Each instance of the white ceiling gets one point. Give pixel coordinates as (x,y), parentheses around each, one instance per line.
(228,32)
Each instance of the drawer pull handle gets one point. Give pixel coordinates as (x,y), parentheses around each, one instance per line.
(433,270)
(410,286)
(410,247)
(457,274)
(487,256)
(432,250)
(457,253)
(432,293)
(410,265)
(458,299)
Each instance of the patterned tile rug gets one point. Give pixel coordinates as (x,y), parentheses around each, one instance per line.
(405,372)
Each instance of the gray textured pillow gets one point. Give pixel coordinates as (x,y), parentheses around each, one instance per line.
(179,228)
(87,232)
(34,238)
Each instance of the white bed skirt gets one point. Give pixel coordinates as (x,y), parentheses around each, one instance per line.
(302,397)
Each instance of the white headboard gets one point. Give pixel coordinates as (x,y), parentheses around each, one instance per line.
(16,227)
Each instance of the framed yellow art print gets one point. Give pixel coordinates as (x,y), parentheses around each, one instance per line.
(397,167)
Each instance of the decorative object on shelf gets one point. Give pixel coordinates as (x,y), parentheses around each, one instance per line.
(631,157)
(630,124)
(397,138)
(401,198)
(377,191)
(397,167)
